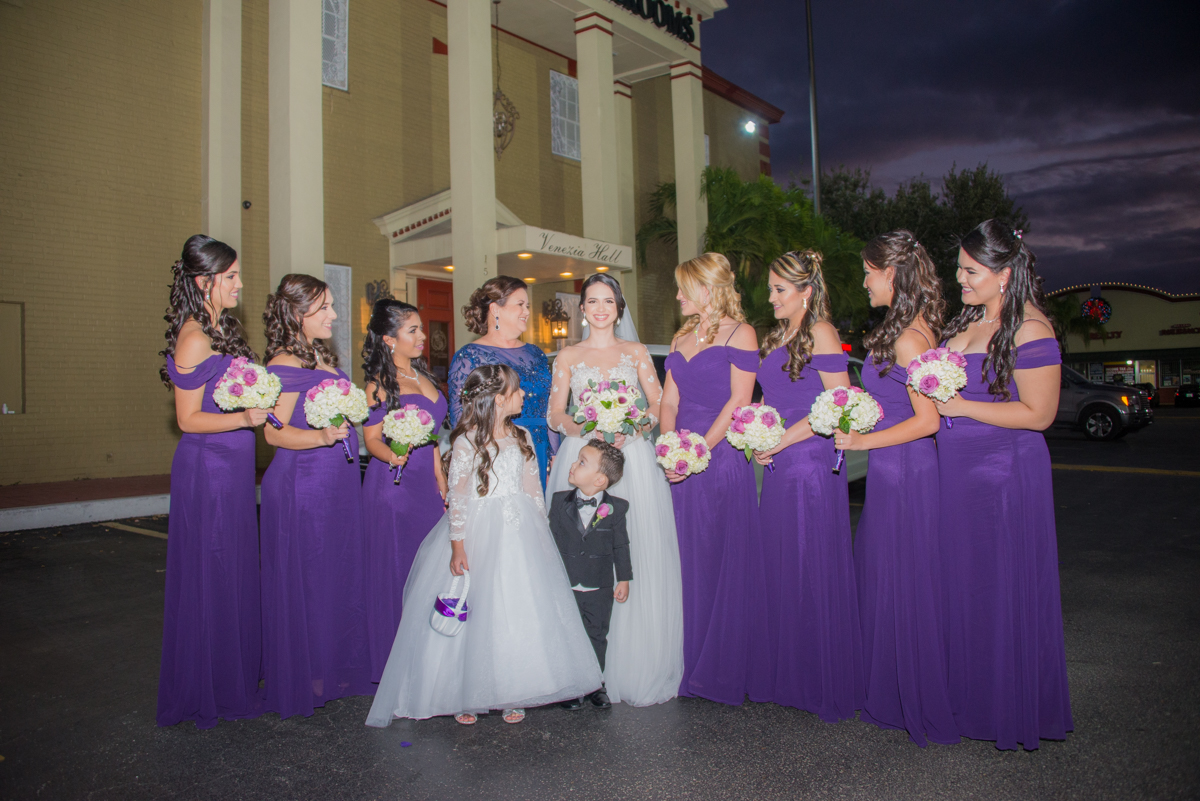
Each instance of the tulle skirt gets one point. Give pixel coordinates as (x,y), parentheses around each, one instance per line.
(523,645)
(644,662)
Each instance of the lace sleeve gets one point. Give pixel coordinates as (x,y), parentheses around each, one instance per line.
(461,367)
(560,394)
(531,484)
(651,388)
(461,486)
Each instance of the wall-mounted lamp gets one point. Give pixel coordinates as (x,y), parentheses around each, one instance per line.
(750,126)
(449,268)
(557,315)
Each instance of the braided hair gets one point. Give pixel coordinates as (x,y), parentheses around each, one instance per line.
(478,417)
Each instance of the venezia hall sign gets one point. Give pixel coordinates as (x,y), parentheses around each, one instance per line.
(663,15)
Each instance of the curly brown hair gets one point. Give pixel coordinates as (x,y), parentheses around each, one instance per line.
(802,270)
(478,417)
(916,291)
(284,320)
(203,257)
(496,290)
(996,244)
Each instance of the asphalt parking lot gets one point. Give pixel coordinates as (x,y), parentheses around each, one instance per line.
(81,625)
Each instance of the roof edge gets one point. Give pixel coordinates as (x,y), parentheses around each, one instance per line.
(735,94)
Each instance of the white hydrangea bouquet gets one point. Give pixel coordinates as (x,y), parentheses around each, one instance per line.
(756,427)
(333,402)
(407,428)
(611,408)
(683,451)
(938,373)
(247,385)
(844,409)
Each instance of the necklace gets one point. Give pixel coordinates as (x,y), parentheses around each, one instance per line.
(984,319)
(416,376)
(788,338)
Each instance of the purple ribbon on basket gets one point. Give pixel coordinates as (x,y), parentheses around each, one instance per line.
(446,608)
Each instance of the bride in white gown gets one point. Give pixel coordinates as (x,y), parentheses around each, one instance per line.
(523,644)
(644,664)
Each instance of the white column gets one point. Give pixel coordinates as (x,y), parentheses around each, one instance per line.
(221,121)
(296,160)
(626,224)
(597,127)
(472,152)
(687,113)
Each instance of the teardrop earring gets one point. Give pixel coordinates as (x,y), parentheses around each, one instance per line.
(391,348)
(1001,287)
(208,295)
(497,322)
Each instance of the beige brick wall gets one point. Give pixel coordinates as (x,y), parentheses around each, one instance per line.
(728,143)
(99,188)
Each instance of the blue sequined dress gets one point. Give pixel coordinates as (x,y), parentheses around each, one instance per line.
(534,371)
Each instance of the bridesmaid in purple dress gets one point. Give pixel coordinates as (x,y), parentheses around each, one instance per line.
(896,546)
(314,617)
(710,372)
(1005,654)
(211,651)
(396,517)
(804,512)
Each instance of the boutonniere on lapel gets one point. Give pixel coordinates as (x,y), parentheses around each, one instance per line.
(602,511)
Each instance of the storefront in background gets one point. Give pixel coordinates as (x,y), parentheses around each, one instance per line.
(1147,336)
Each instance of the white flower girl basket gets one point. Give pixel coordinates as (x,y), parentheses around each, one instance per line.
(450,610)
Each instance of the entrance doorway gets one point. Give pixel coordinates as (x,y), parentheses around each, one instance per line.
(435,301)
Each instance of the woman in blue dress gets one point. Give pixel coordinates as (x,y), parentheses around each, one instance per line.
(499,312)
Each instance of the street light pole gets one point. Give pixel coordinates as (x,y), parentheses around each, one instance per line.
(812,112)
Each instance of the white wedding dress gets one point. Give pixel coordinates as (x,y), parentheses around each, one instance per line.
(644,662)
(524,644)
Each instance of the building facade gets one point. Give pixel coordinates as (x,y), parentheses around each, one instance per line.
(1149,336)
(349,139)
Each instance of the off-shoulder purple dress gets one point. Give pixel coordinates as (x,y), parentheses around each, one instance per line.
(804,512)
(720,551)
(396,519)
(1006,659)
(212,651)
(899,574)
(314,615)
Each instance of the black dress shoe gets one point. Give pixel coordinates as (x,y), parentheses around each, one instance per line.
(599,699)
(574,703)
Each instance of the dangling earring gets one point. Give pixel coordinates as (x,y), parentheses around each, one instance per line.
(208,295)
(1001,287)
(806,304)
(497,322)
(391,348)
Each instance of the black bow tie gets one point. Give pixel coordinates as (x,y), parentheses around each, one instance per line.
(582,502)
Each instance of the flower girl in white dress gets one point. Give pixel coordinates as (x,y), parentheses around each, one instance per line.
(523,644)
(645,639)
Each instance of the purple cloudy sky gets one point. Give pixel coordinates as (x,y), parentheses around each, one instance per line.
(1089,108)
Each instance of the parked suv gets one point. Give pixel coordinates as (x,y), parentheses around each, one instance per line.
(1101,411)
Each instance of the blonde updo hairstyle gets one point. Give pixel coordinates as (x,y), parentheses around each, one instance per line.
(801,269)
(478,308)
(709,271)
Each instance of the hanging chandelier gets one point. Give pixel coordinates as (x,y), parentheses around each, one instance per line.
(504,113)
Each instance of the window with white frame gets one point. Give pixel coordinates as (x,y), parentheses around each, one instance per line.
(335,18)
(564,115)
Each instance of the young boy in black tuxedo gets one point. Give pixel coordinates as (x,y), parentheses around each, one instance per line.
(589,526)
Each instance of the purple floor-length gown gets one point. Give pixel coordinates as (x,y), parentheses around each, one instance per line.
(804,512)
(396,519)
(212,649)
(719,544)
(899,577)
(1006,659)
(314,615)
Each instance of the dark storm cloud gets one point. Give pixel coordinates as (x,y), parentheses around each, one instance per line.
(1089,109)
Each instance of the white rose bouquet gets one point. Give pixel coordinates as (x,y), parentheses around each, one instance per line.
(843,409)
(333,402)
(938,373)
(247,385)
(683,451)
(407,428)
(610,407)
(756,427)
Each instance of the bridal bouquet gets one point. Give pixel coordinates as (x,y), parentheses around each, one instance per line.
(938,373)
(610,407)
(682,451)
(247,385)
(843,409)
(756,427)
(408,427)
(333,402)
